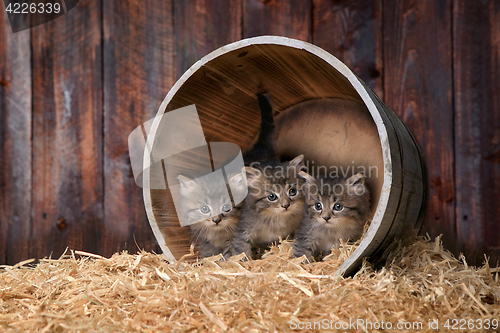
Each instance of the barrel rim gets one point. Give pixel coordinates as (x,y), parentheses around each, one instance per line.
(337,65)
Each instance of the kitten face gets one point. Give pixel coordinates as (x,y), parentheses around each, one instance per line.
(273,207)
(338,204)
(203,199)
(275,190)
(209,211)
(336,209)
(218,230)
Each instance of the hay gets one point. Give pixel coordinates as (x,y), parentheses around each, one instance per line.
(85,292)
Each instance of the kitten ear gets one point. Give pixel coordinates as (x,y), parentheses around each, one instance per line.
(238,181)
(358,178)
(298,163)
(309,179)
(253,175)
(186,183)
(357,183)
(238,186)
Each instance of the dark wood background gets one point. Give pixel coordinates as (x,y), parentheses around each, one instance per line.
(72,90)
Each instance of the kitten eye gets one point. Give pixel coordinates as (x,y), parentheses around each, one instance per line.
(292,192)
(272,197)
(338,207)
(318,206)
(227,208)
(205,210)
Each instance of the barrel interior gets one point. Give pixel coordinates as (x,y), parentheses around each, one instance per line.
(318,113)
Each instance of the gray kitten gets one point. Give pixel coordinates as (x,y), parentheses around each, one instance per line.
(273,207)
(198,200)
(335,208)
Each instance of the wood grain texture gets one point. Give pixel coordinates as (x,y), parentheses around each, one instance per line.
(65,177)
(202,26)
(352,32)
(476,46)
(138,72)
(281,18)
(67,133)
(15,143)
(407,183)
(418,87)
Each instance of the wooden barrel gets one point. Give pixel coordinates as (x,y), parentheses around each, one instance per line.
(323,110)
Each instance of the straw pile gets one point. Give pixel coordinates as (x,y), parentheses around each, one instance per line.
(126,293)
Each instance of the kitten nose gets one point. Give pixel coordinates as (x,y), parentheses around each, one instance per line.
(285,205)
(326,218)
(216,219)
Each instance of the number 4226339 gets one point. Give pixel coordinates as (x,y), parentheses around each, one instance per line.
(33,8)
(463,324)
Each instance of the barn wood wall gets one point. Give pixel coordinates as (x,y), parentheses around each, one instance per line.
(71,91)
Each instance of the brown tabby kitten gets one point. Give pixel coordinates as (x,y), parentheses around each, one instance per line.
(273,207)
(336,208)
(199,199)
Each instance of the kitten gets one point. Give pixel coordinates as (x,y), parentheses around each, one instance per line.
(263,150)
(335,208)
(273,207)
(200,198)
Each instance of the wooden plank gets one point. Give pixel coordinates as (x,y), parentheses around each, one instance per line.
(202,26)
(476,45)
(281,18)
(418,87)
(138,72)
(352,32)
(15,143)
(67,133)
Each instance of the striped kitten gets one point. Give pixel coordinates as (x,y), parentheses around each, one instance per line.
(335,208)
(200,199)
(273,207)
(274,204)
